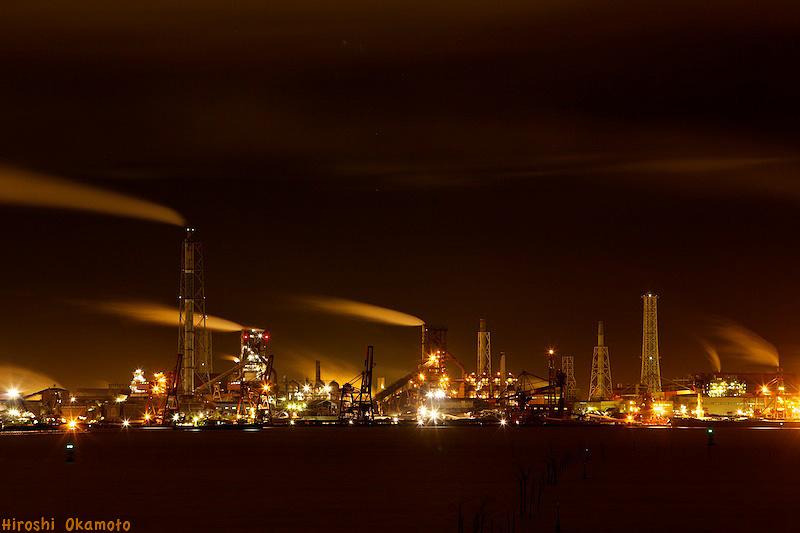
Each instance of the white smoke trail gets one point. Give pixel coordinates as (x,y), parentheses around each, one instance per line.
(713,356)
(23,380)
(735,341)
(372,313)
(159,314)
(23,187)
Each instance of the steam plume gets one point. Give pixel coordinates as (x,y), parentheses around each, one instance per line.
(713,356)
(22,187)
(737,342)
(372,313)
(160,314)
(24,380)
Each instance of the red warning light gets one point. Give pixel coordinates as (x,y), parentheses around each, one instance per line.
(266,337)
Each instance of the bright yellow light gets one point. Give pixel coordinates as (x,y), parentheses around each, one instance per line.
(125,423)
(422,376)
(72,424)
(72,399)
(551,351)
(503,422)
(13,412)
(147,416)
(13,393)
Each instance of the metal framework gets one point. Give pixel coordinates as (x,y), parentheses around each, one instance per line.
(775,405)
(435,358)
(355,405)
(600,384)
(484,364)
(194,339)
(571,387)
(256,378)
(162,408)
(651,365)
(434,340)
(551,382)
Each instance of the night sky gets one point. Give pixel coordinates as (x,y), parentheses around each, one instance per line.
(538,164)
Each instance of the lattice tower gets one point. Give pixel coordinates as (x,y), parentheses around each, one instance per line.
(600,384)
(651,365)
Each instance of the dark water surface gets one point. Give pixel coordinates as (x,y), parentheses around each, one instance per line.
(406,479)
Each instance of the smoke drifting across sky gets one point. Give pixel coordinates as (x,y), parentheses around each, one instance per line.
(23,187)
(735,344)
(159,314)
(24,380)
(350,308)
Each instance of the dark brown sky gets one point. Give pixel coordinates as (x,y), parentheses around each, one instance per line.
(538,164)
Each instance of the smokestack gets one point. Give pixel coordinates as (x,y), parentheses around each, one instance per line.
(600,336)
(318,375)
(483,324)
(503,366)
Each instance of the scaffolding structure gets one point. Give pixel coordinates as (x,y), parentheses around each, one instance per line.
(651,365)
(483,373)
(600,384)
(355,404)
(484,365)
(571,386)
(255,377)
(194,339)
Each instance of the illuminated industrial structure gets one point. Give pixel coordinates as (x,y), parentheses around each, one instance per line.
(255,377)
(651,365)
(194,339)
(355,405)
(429,378)
(571,386)
(551,381)
(600,384)
(483,368)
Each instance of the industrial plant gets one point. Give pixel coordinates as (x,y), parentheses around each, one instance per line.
(439,389)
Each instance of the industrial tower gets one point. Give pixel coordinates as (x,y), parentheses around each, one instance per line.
(651,365)
(256,377)
(568,367)
(484,366)
(356,405)
(600,384)
(194,340)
